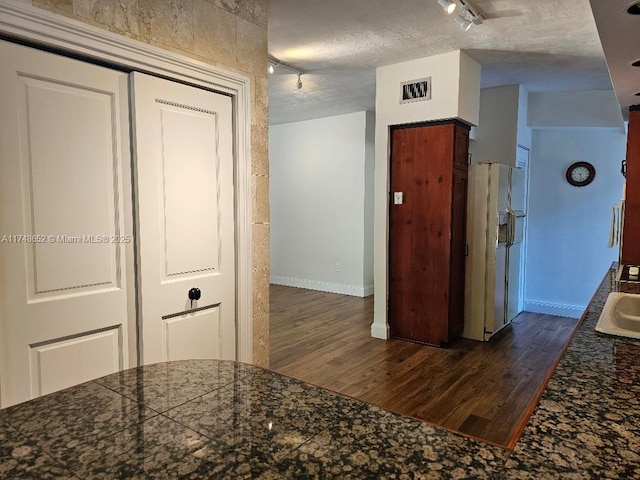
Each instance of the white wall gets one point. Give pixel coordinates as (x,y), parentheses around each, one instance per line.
(502,125)
(468,89)
(455,84)
(496,135)
(593,108)
(568,226)
(524,136)
(320,182)
(369,177)
(455,81)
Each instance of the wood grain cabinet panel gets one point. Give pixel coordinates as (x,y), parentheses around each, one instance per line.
(631,234)
(427,241)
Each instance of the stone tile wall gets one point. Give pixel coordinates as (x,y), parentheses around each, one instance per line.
(231,34)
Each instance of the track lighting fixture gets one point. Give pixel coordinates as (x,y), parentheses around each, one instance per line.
(463,22)
(461,19)
(447,5)
(273,63)
(468,16)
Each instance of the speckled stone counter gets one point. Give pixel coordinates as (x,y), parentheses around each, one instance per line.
(205,419)
(210,419)
(587,422)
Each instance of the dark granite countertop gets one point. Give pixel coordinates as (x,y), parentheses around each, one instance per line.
(205,419)
(587,422)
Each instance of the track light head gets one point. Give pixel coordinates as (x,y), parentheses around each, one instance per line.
(469,15)
(447,5)
(463,23)
(299,82)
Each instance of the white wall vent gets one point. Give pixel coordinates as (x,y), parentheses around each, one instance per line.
(415,90)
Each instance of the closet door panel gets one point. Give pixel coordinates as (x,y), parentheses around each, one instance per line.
(65,222)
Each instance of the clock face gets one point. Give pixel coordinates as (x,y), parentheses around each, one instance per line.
(580,174)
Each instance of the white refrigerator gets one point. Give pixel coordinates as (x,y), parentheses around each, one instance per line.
(495,226)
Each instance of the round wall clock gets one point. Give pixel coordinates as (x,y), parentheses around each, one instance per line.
(581,174)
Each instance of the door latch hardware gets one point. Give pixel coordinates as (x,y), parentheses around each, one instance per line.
(194,295)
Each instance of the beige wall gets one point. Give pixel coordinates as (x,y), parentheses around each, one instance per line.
(228,33)
(496,136)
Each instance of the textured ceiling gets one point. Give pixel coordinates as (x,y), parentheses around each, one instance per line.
(620,35)
(545,45)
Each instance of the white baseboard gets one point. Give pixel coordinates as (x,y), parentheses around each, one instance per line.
(354,290)
(379,331)
(572,311)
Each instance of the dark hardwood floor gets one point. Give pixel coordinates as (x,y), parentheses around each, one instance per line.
(480,389)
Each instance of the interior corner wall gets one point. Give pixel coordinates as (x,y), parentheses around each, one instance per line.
(496,136)
(455,84)
(369,172)
(525,134)
(469,90)
(568,227)
(318,171)
(446,71)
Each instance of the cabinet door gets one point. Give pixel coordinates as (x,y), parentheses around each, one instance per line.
(458,251)
(461,148)
(631,234)
(419,233)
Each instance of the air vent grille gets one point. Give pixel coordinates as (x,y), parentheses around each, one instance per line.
(415,90)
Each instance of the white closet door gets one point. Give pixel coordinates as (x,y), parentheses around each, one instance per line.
(185,216)
(65,222)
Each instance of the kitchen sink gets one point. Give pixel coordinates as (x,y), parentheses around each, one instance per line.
(620,315)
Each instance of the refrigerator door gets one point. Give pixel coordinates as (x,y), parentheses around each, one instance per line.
(482,239)
(502,215)
(515,252)
(492,226)
(513,282)
(499,318)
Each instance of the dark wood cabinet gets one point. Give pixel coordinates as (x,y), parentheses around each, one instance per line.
(631,233)
(427,223)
